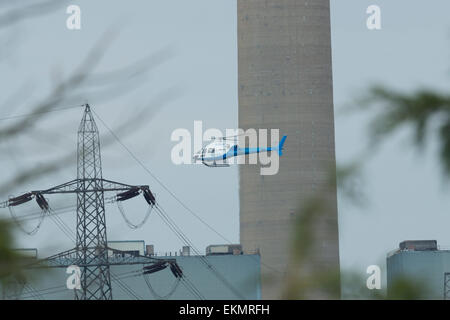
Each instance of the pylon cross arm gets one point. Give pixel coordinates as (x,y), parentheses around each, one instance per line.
(116,257)
(74,186)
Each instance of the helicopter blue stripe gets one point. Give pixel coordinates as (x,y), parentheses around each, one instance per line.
(238,151)
(250,150)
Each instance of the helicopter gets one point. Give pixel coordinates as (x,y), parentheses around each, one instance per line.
(220,149)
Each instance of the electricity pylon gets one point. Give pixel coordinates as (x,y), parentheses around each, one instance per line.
(91,253)
(91,225)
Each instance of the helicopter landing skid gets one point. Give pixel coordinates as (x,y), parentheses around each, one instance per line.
(215,165)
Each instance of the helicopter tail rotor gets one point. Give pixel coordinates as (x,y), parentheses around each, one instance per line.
(280,146)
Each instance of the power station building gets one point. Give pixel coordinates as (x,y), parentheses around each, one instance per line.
(423,264)
(241,273)
(285,83)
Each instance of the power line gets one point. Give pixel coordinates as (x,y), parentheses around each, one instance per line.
(91,226)
(157,295)
(63,288)
(157,180)
(71,235)
(38,113)
(165,217)
(187,283)
(167,189)
(128,222)
(34,292)
(125,287)
(118,278)
(37,214)
(172,225)
(19,224)
(52,213)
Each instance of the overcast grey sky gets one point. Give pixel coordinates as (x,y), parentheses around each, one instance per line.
(407,196)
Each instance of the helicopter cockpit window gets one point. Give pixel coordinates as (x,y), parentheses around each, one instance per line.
(211,150)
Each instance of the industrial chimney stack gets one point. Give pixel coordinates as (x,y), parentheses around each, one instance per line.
(285,83)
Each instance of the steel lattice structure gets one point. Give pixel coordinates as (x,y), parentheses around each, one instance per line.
(91,239)
(91,251)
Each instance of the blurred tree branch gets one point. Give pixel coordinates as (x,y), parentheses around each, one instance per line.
(423,110)
(20,13)
(71,91)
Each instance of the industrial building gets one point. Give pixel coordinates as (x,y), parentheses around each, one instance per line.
(242,273)
(421,262)
(285,83)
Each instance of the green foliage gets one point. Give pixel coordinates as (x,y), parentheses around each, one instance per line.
(423,111)
(401,288)
(405,288)
(9,259)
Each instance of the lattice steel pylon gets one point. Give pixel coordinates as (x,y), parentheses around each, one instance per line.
(91,252)
(91,240)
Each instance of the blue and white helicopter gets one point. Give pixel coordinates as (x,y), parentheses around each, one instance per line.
(220,149)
